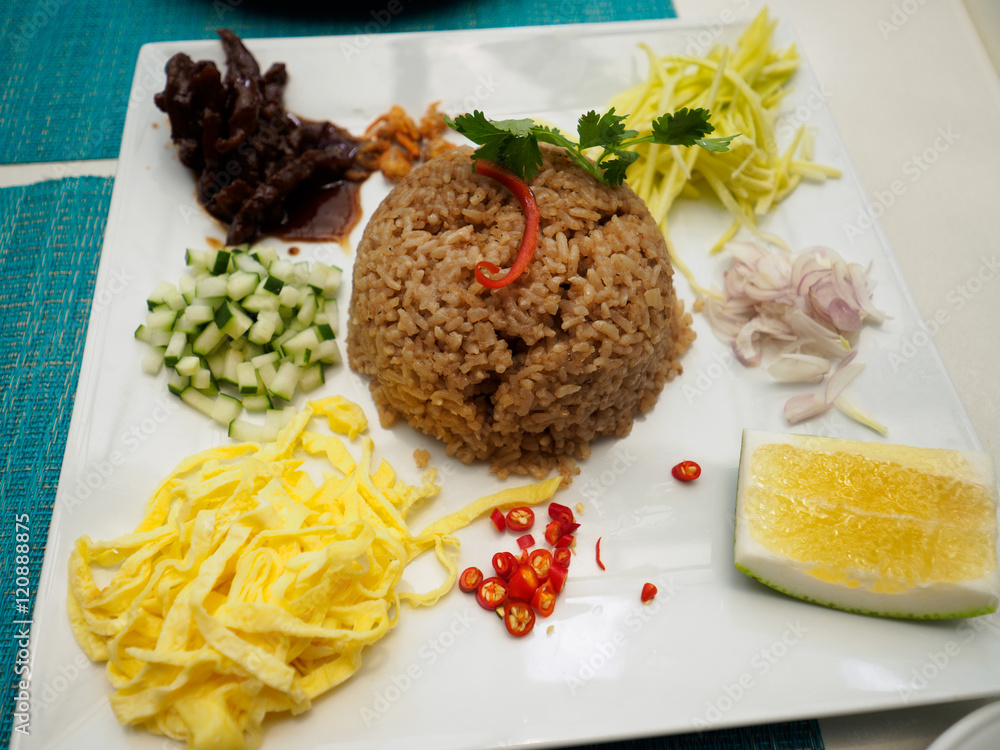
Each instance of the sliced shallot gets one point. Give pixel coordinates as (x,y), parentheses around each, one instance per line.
(804,312)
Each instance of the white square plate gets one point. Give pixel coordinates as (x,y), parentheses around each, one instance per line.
(714,649)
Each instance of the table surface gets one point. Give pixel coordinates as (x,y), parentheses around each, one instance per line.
(916,97)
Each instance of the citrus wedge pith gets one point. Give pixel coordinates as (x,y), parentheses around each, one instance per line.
(867,527)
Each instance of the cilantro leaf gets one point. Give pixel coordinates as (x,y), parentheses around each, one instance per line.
(523,156)
(614,172)
(602,130)
(682,128)
(715,144)
(521,128)
(514,143)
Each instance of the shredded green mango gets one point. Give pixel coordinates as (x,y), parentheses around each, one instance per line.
(743,88)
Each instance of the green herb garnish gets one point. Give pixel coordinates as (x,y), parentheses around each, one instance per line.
(514,143)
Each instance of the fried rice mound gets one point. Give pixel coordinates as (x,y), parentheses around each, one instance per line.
(525,376)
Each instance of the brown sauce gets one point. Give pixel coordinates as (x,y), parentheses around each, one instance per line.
(325,215)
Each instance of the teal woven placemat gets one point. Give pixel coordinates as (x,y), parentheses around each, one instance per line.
(68,65)
(50,242)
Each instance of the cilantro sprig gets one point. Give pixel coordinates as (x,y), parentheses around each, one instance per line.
(514,143)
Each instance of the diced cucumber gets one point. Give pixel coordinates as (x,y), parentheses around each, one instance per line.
(196,258)
(256,323)
(328,353)
(226,409)
(273,284)
(263,359)
(230,369)
(246,262)
(159,294)
(241,284)
(263,330)
(324,332)
(332,285)
(231,319)
(161,320)
(289,296)
(176,383)
(202,380)
(220,263)
(186,286)
(212,286)
(199,313)
(268,372)
(208,340)
(175,349)
(282,269)
(257,403)
(246,378)
(174,300)
(217,364)
(261,301)
(198,401)
(285,381)
(152,362)
(248,432)
(308,309)
(307,339)
(188,365)
(312,378)
(265,254)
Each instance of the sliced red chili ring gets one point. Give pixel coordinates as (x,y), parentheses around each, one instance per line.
(504,563)
(519,618)
(523,583)
(520,519)
(686,471)
(540,561)
(470,579)
(599,563)
(564,541)
(552,532)
(563,515)
(544,600)
(498,520)
(557,577)
(562,556)
(648,592)
(532,221)
(492,592)
(526,541)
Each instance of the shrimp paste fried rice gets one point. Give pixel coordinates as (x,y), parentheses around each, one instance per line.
(525,376)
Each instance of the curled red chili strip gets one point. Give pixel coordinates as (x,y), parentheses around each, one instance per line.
(532,219)
(599,563)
